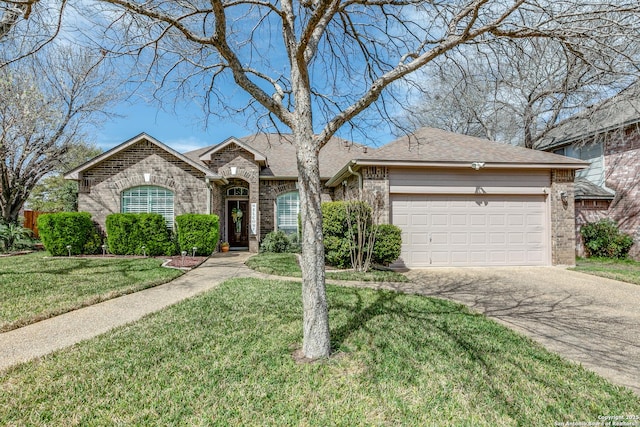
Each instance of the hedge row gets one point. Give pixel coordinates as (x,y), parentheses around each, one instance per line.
(128,234)
(198,231)
(69,232)
(139,234)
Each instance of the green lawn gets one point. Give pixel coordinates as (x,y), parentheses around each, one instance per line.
(35,286)
(287,265)
(624,270)
(224,358)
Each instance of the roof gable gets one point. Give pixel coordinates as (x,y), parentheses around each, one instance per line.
(75,173)
(211,151)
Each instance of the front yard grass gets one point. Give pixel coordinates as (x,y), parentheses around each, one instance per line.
(224,358)
(34,287)
(625,270)
(286,264)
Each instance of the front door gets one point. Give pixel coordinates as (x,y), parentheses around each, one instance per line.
(238,223)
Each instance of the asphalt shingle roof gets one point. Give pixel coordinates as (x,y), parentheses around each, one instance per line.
(587,190)
(615,112)
(281,154)
(436,145)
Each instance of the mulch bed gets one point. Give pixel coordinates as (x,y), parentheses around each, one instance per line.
(186,262)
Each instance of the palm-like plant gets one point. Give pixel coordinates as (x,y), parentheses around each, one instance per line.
(12,235)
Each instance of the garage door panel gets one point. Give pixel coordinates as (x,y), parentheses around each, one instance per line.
(472,229)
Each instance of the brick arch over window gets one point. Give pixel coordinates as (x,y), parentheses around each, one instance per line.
(140,180)
(149,199)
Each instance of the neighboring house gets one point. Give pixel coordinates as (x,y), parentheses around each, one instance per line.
(459,200)
(608,137)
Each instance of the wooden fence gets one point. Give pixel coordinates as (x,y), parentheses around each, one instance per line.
(31,221)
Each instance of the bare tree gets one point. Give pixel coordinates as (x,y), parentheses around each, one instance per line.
(44,115)
(315,66)
(27,26)
(11,12)
(518,90)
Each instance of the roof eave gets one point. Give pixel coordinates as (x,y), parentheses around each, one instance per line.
(344,173)
(258,156)
(571,139)
(74,174)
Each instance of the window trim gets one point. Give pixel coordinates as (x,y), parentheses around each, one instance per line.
(154,203)
(291,225)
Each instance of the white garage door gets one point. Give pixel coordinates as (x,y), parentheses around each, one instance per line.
(471,230)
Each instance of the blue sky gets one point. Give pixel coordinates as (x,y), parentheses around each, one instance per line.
(182,130)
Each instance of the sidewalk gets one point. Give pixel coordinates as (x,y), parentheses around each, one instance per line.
(39,339)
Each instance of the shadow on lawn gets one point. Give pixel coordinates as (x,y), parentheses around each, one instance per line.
(578,326)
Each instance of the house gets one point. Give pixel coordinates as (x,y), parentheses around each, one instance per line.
(459,200)
(608,137)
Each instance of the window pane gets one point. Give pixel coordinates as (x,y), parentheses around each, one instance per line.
(149,199)
(288,207)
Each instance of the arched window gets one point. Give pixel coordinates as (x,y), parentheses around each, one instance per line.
(149,199)
(287,208)
(238,191)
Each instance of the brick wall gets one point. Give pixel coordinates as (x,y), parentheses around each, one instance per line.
(246,175)
(127,169)
(563,238)
(622,175)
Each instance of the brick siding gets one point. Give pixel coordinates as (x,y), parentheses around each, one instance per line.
(127,169)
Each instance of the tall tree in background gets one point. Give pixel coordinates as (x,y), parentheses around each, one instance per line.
(27,26)
(48,102)
(53,193)
(517,90)
(314,66)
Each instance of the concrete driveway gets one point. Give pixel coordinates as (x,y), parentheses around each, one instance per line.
(588,319)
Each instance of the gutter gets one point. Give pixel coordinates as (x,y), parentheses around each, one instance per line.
(358,174)
(347,170)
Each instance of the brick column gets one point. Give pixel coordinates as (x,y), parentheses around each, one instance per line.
(563,218)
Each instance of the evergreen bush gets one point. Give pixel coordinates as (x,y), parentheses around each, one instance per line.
(604,239)
(276,242)
(387,246)
(199,231)
(138,234)
(339,237)
(74,229)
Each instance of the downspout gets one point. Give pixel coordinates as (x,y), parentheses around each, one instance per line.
(358,174)
(208,181)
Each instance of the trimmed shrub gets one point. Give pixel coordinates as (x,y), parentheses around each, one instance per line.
(387,245)
(276,242)
(198,230)
(127,233)
(604,239)
(338,238)
(75,229)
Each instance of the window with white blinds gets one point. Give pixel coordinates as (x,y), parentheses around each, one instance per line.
(149,199)
(288,207)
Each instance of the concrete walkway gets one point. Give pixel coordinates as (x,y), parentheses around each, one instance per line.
(62,331)
(587,319)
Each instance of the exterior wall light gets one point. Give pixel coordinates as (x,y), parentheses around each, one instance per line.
(564,197)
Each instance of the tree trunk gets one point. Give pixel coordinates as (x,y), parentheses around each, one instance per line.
(316,340)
